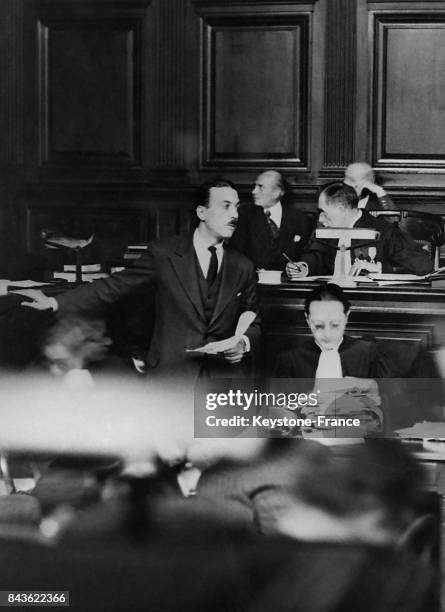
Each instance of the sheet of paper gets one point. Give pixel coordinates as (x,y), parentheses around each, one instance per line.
(310,278)
(397,277)
(26,284)
(425,429)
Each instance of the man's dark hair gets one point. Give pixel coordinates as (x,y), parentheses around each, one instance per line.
(339,193)
(327,293)
(203,191)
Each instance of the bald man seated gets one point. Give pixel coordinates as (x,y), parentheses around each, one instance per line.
(270,231)
(360,176)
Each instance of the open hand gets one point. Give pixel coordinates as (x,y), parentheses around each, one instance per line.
(39,300)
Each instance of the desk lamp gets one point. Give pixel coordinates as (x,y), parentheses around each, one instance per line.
(342,270)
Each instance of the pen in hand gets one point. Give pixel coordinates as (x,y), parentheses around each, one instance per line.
(287,257)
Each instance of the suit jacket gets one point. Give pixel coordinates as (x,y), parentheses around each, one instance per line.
(180,323)
(253,237)
(394,248)
(359,358)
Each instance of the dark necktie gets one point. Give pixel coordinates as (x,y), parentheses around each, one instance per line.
(274,229)
(213,266)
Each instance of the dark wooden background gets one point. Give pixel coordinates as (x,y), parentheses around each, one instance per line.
(112,110)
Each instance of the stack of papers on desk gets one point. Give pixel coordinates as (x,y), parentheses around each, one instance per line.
(398,279)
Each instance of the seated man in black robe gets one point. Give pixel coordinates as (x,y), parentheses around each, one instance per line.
(330,353)
(338,206)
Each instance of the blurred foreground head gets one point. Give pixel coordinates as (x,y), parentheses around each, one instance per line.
(74,343)
(370,494)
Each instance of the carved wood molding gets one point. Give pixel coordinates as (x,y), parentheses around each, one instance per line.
(340,93)
(170,57)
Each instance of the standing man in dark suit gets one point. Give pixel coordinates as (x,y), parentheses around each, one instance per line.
(268,228)
(205,293)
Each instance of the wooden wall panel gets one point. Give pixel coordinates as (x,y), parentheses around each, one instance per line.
(134,95)
(255,76)
(409,81)
(415,86)
(117,218)
(256,85)
(89,91)
(114,228)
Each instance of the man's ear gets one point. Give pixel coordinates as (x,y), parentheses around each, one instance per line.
(347,314)
(200,212)
(307,319)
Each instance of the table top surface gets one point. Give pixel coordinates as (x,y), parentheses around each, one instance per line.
(410,292)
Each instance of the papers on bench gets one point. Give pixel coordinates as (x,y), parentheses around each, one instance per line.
(406,278)
(425,429)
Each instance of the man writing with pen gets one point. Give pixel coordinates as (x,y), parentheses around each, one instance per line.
(270,229)
(338,207)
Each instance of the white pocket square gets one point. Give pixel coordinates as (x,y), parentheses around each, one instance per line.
(297,238)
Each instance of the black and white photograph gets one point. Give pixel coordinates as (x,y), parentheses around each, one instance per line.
(222,305)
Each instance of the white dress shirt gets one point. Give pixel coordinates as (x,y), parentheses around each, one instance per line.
(362,203)
(276,213)
(203,254)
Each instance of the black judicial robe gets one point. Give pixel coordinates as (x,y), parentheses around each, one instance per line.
(359,358)
(394,249)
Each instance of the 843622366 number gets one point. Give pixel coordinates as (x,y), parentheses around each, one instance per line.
(34,598)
